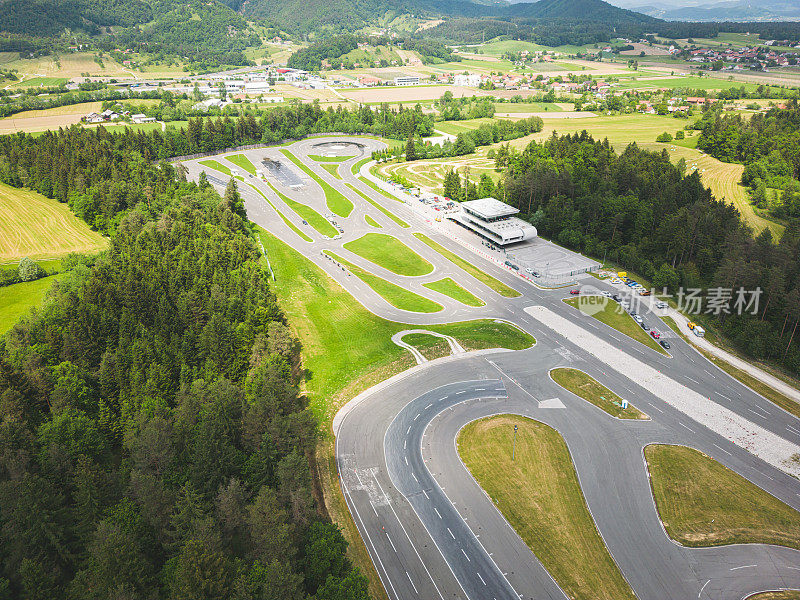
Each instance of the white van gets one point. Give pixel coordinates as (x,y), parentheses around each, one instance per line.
(699,331)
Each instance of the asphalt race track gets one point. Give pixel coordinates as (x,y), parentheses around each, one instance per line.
(429,528)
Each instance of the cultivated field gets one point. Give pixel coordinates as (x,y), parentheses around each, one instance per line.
(409,94)
(35,226)
(68,66)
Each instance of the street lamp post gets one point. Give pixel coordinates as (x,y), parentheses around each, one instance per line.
(514,446)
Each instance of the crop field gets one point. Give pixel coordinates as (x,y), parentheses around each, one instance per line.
(530,107)
(408,94)
(68,66)
(38,227)
(695,83)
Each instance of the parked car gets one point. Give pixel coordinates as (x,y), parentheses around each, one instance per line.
(638,319)
(661,304)
(664,344)
(645,326)
(655,334)
(574,292)
(617,297)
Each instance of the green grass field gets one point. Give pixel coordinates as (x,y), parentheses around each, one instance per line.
(448,287)
(703,503)
(380,207)
(372,222)
(37,82)
(308,214)
(332,168)
(456,127)
(17,299)
(614,316)
(591,390)
(694,83)
(38,227)
(526,107)
(430,346)
(486,279)
(241,161)
(395,295)
(217,166)
(333,159)
(357,166)
(390,253)
(336,201)
(540,496)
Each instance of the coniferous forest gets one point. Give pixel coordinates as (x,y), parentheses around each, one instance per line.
(153,443)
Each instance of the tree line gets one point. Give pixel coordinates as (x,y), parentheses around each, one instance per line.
(768,144)
(642,211)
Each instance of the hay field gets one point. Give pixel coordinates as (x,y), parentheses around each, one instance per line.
(72,65)
(408,94)
(38,227)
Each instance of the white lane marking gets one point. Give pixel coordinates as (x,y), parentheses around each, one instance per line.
(412,583)
(658,409)
(406,459)
(792,429)
(724,396)
(709,372)
(702,588)
(405,444)
(461,392)
(426,494)
(408,430)
(743,567)
(391,542)
(427,407)
(686,426)
(436,510)
(481,578)
(465,555)
(417,417)
(694,380)
(756,413)
(415,477)
(451,533)
(723,449)
(480,389)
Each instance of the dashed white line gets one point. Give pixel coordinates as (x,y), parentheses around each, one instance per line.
(756,413)
(408,430)
(436,510)
(702,588)
(726,397)
(417,417)
(426,494)
(415,477)
(465,555)
(693,380)
(723,449)
(793,430)
(743,567)
(451,533)
(405,444)
(427,407)
(686,426)
(481,578)
(391,542)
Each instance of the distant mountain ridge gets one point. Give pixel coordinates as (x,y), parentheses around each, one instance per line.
(728,10)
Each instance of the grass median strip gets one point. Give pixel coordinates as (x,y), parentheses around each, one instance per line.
(308,214)
(372,222)
(703,503)
(495,284)
(430,346)
(758,386)
(241,161)
(332,168)
(448,287)
(613,315)
(385,211)
(540,496)
(394,294)
(288,223)
(217,166)
(336,201)
(357,166)
(591,390)
(328,159)
(390,253)
(379,190)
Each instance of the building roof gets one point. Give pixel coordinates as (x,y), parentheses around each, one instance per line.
(489,208)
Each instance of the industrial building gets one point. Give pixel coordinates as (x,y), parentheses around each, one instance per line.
(494,221)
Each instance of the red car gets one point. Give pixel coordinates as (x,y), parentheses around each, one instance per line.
(574,292)
(655,334)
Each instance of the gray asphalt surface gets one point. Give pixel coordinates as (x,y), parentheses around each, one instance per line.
(430,530)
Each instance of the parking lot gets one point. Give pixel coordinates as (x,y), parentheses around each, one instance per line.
(549,260)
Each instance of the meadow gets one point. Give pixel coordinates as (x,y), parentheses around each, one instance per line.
(38,227)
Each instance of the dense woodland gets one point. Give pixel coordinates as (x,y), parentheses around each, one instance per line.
(153,443)
(769,145)
(641,211)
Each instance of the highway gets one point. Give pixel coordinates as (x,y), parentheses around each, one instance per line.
(430,530)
